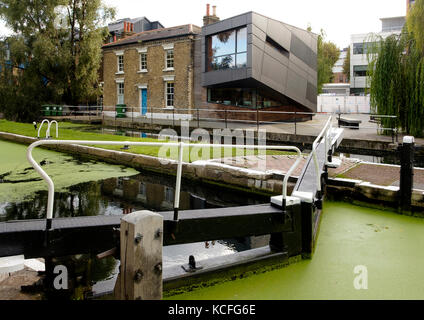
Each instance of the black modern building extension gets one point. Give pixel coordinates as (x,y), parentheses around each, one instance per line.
(251,62)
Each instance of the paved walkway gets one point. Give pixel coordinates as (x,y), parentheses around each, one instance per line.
(367,129)
(379,174)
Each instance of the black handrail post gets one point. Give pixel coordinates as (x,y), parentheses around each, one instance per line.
(406,155)
(225,112)
(393,136)
(257,118)
(173,117)
(295,123)
(396,127)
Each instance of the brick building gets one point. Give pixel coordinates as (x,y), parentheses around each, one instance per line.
(338,74)
(149,71)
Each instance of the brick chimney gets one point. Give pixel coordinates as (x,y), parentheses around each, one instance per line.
(208,18)
(128,29)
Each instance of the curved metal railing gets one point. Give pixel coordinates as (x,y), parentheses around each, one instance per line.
(326,135)
(180,145)
(49,124)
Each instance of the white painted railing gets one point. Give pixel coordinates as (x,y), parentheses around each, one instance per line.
(326,135)
(48,129)
(49,124)
(180,145)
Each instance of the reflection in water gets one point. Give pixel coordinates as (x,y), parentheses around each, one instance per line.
(123,195)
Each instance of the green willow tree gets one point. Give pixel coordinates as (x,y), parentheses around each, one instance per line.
(55,53)
(346,65)
(328,54)
(396,73)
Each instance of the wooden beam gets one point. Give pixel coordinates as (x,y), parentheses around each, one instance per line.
(98,234)
(140,275)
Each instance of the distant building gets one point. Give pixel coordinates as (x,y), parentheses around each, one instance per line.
(340,89)
(359,47)
(409,4)
(338,75)
(121,28)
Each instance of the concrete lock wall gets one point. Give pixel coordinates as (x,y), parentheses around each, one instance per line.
(344,104)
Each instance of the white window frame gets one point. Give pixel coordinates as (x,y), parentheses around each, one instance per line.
(118,94)
(166,94)
(169,60)
(118,64)
(143,54)
(168,48)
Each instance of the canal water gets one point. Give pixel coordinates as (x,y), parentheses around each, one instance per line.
(384,245)
(88,188)
(361,253)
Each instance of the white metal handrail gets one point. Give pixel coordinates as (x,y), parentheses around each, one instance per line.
(49,124)
(181,146)
(41,125)
(48,129)
(326,135)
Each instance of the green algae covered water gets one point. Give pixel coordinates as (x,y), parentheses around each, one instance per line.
(389,246)
(18,180)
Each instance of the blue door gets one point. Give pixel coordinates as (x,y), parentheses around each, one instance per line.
(143,101)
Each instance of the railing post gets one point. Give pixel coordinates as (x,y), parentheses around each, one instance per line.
(257,119)
(173,117)
(140,276)
(225,112)
(295,123)
(406,154)
(178,183)
(198,118)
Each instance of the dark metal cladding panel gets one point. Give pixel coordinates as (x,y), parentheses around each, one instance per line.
(311,93)
(279,33)
(303,52)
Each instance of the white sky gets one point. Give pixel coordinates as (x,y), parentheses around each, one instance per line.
(339,18)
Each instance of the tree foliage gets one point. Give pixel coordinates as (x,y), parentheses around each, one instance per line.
(396,72)
(328,54)
(346,65)
(55,53)
(415,23)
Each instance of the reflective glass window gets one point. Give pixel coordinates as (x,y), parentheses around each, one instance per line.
(227,50)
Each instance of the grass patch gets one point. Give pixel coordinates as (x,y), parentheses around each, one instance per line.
(190,155)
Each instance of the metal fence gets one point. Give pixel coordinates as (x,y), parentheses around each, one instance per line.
(225,118)
(217,118)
